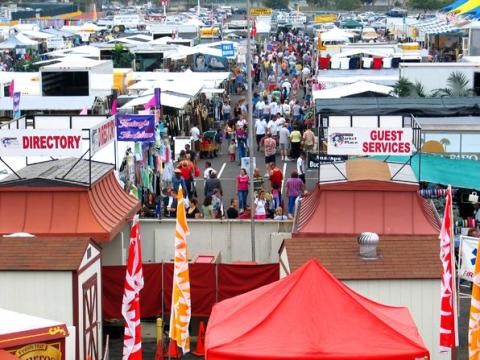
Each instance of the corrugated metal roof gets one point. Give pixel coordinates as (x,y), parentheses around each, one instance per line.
(53,173)
(53,103)
(419,106)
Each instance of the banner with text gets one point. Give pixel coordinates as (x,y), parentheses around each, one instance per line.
(365,141)
(101,135)
(31,142)
(468,257)
(135,127)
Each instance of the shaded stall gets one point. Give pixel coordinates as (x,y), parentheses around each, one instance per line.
(310,315)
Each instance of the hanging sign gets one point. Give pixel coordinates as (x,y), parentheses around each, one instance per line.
(260,11)
(101,135)
(324,18)
(228,50)
(55,43)
(135,127)
(468,257)
(365,141)
(314,160)
(51,351)
(31,142)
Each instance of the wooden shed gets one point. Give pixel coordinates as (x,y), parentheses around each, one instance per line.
(58,279)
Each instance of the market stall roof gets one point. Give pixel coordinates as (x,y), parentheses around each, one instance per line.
(17,329)
(336,34)
(437,26)
(33,34)
(412,257)
(466,7)
(84,50)
(185,76)
(18,40)
(293,318)
(459,123)
(387,77)
(176,101)
(340,206)
(351,24)
(73,62)
(51,253)
(180,86)
(454,5)
(47,201)
(357,88)
(51,103)
(446,106)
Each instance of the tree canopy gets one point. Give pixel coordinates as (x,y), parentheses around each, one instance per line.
(276,4)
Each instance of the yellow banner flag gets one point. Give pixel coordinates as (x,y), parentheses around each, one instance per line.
(181,311)
(474,322)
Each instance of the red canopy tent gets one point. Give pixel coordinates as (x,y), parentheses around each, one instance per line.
(310,315)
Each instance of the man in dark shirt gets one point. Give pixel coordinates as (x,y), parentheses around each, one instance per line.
(232,211)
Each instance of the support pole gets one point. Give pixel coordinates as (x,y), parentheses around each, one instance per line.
(250,130)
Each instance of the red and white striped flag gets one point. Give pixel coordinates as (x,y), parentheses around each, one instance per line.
(448,336)
(132,341)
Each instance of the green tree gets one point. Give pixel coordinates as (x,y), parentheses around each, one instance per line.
(445,142)
(276,4)
(428,4)
(457,86)
(402,87)
(121,57)
(348,5)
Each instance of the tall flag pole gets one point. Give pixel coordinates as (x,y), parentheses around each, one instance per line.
(474,322)
(448,334)
(132,341)
(181,305)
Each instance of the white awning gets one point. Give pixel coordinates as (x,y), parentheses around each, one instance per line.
(352,89)
(53,103)
(167,99)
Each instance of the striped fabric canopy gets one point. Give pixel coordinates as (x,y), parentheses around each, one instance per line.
(468,6)
(454,5)
(437,26)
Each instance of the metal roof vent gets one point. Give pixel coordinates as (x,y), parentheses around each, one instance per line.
(368,242)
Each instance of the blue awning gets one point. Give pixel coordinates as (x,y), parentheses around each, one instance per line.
(441,170)
(454,5)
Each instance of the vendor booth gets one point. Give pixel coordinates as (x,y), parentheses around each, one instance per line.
(24,337)
(64,279)
(370,196)
(310,315)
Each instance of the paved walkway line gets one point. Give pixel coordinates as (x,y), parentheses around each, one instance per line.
(221,170)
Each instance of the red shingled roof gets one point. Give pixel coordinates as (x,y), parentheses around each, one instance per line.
(32,253)
(400,257)
(74,211)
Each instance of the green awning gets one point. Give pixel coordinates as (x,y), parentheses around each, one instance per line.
(440,170)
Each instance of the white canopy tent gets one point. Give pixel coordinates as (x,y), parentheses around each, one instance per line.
(337,35)
(356,88)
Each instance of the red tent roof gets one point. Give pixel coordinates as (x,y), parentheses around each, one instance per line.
(310,315)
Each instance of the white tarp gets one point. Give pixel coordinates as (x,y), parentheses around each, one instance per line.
(352,89)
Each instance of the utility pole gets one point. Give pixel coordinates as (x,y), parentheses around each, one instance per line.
(250,129)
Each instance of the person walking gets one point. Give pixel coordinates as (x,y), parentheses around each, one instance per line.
(242,189)
(211,184)
(260,130)
(284,140)
(295,141)
(293,187)
(301,166)
(270,148)
(260,206)
(308,139)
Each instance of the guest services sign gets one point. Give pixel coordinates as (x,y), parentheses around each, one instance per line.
(31,142)
(365,141)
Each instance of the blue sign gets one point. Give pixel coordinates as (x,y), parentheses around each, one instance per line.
(135,127)
(16,105)
(228,50)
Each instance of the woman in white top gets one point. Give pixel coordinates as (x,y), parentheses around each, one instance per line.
(260,206)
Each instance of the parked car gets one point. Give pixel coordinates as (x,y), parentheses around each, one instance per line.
(396,12)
